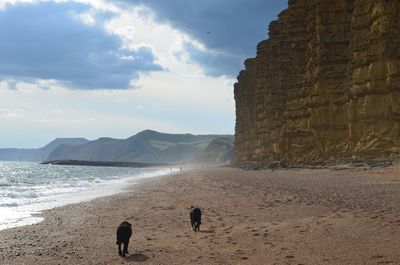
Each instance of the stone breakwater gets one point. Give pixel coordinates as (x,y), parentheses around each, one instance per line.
(324,87)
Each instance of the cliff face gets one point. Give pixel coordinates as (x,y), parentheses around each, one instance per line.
(324,87)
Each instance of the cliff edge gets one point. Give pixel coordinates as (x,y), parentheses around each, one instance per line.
(324,88)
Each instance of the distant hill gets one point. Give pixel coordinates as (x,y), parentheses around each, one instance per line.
(40,154)
(149,147)
(218,151)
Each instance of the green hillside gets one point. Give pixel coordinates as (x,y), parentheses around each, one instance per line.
(150,147)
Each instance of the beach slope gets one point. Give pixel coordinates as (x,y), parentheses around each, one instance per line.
(323,216)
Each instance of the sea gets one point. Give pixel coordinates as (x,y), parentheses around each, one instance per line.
(26,189)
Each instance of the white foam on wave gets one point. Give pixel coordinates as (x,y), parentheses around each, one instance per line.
(22,194)
(11,204)
(11,218)
(21,208)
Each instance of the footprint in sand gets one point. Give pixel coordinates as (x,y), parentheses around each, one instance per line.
(377,257)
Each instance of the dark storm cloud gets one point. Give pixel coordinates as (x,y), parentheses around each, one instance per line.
(47,41)
(231,29)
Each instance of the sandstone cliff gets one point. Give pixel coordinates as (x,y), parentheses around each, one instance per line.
(325,86)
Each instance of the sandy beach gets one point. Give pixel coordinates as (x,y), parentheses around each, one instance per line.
(323,216)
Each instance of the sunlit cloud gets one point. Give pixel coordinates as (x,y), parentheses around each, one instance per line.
(62,42)
(93,68)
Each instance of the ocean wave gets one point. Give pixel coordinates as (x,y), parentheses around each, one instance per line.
(83,184)
(97,180)
(46,187)
(11,204)
(23,194)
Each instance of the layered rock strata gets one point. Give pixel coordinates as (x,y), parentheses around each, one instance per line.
(325,86)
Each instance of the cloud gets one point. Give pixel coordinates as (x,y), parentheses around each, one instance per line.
(12,113)
(229,29)
(215,63)
(61,41)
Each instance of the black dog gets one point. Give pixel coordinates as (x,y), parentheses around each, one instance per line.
(124,233)
(195,218)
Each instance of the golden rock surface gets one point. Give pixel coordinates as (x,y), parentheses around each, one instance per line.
(325,86)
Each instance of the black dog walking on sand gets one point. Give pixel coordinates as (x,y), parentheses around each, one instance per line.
(124,233)
(195,218)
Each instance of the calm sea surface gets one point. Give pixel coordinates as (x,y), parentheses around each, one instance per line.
(26,189)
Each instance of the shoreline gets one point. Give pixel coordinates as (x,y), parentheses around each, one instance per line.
(108,164)
(249,217)
(31,214)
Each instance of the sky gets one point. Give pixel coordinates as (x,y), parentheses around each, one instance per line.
(112,68)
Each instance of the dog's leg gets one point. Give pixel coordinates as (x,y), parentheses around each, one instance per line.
(119,248)
(125,251)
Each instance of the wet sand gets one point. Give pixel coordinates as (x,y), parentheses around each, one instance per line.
(322,216)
